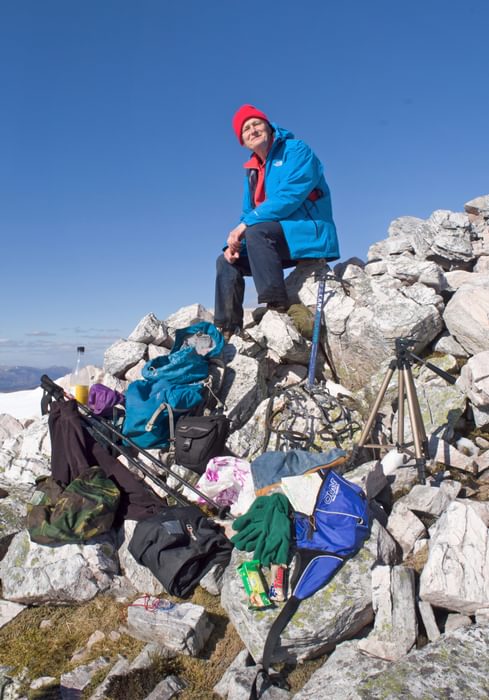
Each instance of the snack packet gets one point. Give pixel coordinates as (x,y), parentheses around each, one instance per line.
(254,586)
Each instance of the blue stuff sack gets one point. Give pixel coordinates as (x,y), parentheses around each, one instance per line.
(173,385)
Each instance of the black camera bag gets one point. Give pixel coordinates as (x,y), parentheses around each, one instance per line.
(200,438)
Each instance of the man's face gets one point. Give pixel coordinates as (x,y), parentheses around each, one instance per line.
(256,133)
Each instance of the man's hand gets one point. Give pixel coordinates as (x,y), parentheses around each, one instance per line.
(235,237)
(230,257)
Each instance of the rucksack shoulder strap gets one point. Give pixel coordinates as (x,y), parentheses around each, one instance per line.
(279,624)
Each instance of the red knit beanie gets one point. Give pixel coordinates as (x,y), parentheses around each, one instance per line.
(246,112)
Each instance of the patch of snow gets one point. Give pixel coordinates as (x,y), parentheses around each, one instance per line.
(22,404)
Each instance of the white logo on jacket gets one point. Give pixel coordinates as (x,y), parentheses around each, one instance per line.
(277,163)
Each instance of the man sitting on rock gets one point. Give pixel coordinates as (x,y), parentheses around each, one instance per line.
(286,217)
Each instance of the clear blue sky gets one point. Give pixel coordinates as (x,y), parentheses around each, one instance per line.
(120,175)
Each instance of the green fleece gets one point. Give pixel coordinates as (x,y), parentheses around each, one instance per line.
(265,530)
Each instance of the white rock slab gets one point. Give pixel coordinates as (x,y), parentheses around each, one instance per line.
(74,682)
(338,677)
(454,666)
(478,205)
(36,442)
(26,471)
(474,379)
(405,527)
(135,373)
(402,479)
(429,499)
(481,416)
(395,627)
(443,452)
(467,317)
(244,386)
(480,507)
(239,662)
(184,627)
(122,355)
(467,446)
(247,441)
(187,316)
(482,264)
(120,668)
(482,616)
(449,346)
(237,680)
(429,621)
(482,462)
(456,575)
(9,611)
(456,620)
(157,351)
(456,278)
(410,270)
(169,687)
(150,330)
(240,684)
(35,574)
(284,339)
(9,426)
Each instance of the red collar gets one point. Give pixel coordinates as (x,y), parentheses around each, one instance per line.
(255,161)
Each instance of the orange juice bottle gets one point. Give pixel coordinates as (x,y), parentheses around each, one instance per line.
(79,382)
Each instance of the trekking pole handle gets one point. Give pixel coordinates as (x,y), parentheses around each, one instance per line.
(51,388)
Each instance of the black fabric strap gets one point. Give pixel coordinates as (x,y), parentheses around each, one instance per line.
(279,624)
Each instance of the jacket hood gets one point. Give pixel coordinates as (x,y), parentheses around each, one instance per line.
(281,134)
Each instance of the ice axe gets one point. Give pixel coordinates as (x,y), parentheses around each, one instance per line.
(321,275)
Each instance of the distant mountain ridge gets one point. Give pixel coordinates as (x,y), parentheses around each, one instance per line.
(22,377)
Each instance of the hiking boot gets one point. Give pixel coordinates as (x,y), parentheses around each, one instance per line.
(280,307)
(228,332)
(258,313)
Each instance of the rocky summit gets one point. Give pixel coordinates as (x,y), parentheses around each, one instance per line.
(408,615)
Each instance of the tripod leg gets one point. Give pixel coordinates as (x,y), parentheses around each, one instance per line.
(400,411)
(376,406)
(419,418)
(419,434)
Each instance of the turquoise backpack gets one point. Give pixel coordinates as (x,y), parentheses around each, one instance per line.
(173,385)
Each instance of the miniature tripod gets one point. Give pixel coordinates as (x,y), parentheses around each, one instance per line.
(406,389)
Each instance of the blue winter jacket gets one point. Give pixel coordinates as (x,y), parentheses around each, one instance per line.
(292,172)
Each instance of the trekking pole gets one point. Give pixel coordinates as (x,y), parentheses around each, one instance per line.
(316,331)
(98,434)
(53,389)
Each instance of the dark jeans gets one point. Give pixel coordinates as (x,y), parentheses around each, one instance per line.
(267,256)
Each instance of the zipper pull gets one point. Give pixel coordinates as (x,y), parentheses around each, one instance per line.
(191,532)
